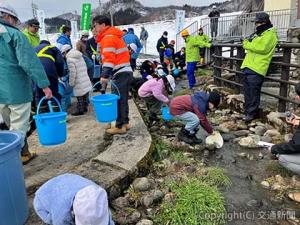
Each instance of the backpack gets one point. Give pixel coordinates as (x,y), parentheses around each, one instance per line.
(168,53)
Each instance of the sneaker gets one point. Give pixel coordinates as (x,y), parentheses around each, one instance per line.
(116,130)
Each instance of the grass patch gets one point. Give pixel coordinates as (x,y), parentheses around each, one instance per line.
(274,168)
(195,203)
(178,156)
(160,150)
(203,72)
(215,176)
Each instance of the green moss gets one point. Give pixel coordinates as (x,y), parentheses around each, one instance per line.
(216,176)
(195,203)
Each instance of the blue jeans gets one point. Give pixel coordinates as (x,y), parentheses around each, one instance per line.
(191,67)
(191,121)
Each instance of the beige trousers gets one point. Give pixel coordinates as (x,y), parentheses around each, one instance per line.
(16,117)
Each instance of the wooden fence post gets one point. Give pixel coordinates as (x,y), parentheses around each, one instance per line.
(238,78)
(285,75)
(218,62)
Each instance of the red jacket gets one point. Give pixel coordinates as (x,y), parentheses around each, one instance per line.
(183,104)
(114,52)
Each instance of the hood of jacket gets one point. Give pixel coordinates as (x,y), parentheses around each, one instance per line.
(63,37)
(74,54)
(110,31)
(200,100)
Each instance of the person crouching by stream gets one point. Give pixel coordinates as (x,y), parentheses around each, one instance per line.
(155,92)
(71,199)
(192,109)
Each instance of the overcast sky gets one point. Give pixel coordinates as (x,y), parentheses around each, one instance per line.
(56,7)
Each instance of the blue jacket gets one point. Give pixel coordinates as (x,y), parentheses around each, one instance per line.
(63,40)
(200,99)
(19,66)
(129,38)
(53,201)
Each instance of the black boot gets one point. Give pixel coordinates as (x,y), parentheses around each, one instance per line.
(196,140)
(80,107)
(86,103)
(185,136)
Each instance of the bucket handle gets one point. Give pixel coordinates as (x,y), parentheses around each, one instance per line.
(49,105)
(112,84)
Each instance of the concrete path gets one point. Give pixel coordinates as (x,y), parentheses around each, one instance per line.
(86,153)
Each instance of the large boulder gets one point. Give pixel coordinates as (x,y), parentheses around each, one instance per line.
(275,118)
(250,142)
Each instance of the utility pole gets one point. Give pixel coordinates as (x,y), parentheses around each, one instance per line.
(34,8)
(111,12)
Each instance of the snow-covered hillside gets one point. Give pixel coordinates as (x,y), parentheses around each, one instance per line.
(155,30)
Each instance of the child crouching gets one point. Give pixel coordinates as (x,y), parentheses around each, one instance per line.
(192,109)
(155,92)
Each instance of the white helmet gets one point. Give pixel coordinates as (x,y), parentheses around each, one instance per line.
(6,8)
(171,80)
(214,6)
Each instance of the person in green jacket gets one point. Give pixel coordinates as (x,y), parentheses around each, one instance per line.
(19,65)
(31,32)
(204,38)
(192,54)
(260,48)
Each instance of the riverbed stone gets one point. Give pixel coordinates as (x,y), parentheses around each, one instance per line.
(288,137)
(266,138)
(228,137)
(260,130)
(145,222)
(158,195)
(249,142)
(241,133)
(142,184)
(275,119)
(265,184)
(120,203)
(272,133)
(147,200)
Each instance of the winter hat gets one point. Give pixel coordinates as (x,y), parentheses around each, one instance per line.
(34,23)
(91,206)
(132,47)
(214,98)
(165,33)
(65,48)
(171,81)
(172,42)
(185,33)
(6,8)
(262,17)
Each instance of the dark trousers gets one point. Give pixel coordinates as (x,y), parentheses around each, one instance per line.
(252,89)
(133,64)
(82,102)
(161,56)
(123,82)
(214,29)
(153,106)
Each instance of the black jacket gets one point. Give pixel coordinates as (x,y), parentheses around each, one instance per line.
(292,147)
(214,16)
(161,44)
(91,46)
(180,58)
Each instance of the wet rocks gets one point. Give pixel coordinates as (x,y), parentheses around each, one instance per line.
(265,184)
(249,142)
(228,137)
(274,118)
(158,196)
(147,200)
(145,222)
(266,138)
(141,184)
(120,203)
(242,155)
(272,133)
(254,203)
(241,133)
(260,130)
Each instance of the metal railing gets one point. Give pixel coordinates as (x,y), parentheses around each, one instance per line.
(236,60)
(192,28)
(233,27)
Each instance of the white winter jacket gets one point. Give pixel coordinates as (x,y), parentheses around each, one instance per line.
(79,78)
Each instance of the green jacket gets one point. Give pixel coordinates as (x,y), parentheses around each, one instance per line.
(193,43)
(19,65)
(260,51)
(203,37)
(34,39)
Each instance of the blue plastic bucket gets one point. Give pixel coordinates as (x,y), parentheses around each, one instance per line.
(52,126)
(13,198)
(165,111)
(106,106)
